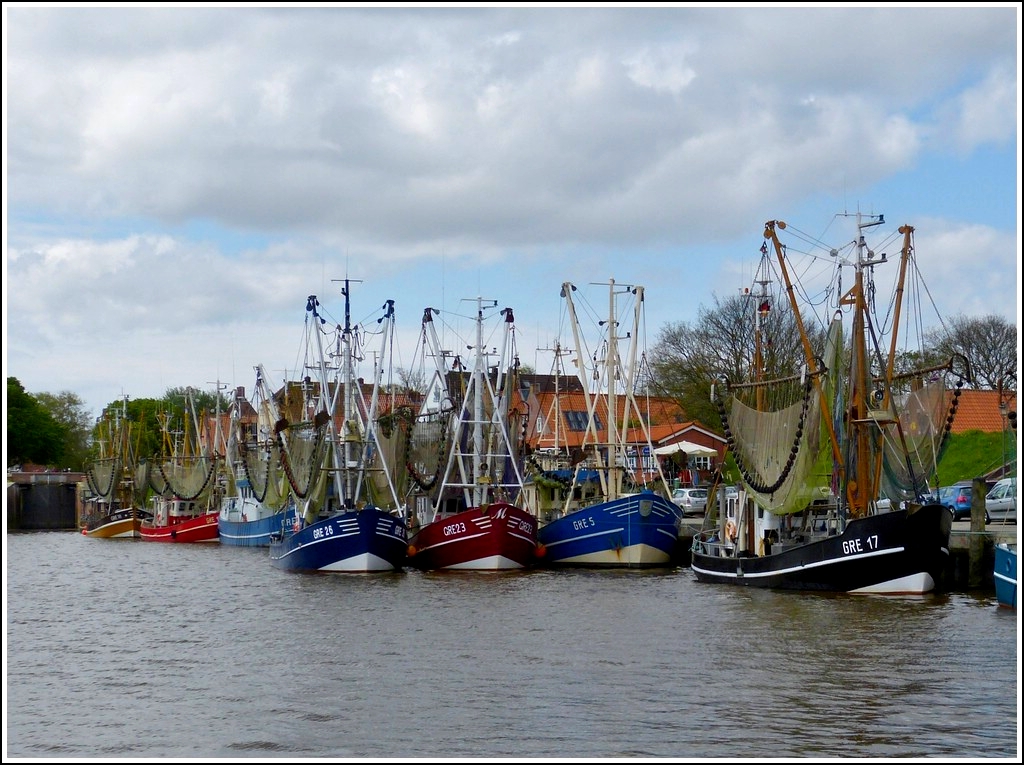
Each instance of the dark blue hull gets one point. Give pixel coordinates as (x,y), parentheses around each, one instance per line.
(637,531)
(356,541)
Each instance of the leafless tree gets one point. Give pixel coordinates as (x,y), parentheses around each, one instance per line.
(988,343)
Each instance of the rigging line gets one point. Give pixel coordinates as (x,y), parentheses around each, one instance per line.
(819,240)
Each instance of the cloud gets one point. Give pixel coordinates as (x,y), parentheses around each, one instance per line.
(181,173)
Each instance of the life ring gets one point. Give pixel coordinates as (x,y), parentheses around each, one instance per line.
(730,531)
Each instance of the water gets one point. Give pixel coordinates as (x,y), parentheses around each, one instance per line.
(130,649)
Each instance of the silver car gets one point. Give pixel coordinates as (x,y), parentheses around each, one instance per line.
(690,501)
(1001,501)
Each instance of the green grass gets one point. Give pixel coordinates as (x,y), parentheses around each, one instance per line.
(974,454)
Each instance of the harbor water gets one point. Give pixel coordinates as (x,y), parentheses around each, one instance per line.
(130,649)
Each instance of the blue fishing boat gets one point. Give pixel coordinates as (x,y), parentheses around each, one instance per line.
(244,521)
(616,511)
(257,502)
(1005,574)
(351,519)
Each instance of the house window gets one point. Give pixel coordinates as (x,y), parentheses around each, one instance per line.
(701,463)
(577,421)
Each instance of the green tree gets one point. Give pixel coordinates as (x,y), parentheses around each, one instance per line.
(33,435)
(70,412)
(144,415)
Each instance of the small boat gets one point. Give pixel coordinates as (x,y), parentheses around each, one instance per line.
(350,518)
(818,445)
(1005,574)
(257,502)
(476,521)
(185,485)
(111,510)
(616,510)
(180,520)
(104,521)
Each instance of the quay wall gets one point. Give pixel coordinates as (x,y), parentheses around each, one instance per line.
(43,501)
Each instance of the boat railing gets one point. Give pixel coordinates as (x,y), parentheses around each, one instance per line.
(712,545)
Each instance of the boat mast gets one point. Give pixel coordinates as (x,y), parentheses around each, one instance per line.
(554,414)
(350,431)
(866,434)
(886,402)
(760,316)
(610,370)
(811,359)
(590,396)
(371,425)
(326,406)
(478,407)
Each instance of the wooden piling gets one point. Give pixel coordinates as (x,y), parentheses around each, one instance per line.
(976,549)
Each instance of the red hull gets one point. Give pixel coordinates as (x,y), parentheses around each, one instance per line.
(202,528)
(494,537)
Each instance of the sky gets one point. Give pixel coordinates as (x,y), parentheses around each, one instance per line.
(179,179)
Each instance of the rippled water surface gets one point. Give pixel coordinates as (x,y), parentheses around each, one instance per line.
(124,648)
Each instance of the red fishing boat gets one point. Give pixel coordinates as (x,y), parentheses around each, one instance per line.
(477,521)
(178,520)
(186,487)
(483,538)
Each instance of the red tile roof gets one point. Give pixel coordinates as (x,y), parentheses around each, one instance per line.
(979,410)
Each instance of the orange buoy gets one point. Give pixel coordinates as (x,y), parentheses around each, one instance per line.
(411,550)
(541,550)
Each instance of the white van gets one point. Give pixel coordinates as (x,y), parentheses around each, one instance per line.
(1001,501)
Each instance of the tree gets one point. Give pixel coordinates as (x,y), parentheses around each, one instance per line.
(33,435)
(69,411)
(411,381)
(988,343)
(719,347)
(204,401)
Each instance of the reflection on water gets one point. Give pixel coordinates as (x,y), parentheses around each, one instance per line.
(122,648)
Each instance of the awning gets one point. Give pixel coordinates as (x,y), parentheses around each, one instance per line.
(691,449)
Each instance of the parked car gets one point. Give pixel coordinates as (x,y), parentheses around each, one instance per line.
(958,499)
(884,504)
(691,501)
(1001,501)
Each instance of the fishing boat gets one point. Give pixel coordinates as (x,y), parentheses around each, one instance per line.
(616,510)
(1005,574)
(185,486)
(475,521)
(176,519)
(111,511)
(820,446)
(350,518)
(257,502)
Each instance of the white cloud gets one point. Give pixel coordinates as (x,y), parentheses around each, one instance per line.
(177,173)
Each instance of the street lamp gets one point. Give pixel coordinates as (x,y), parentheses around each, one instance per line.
(1009,418)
